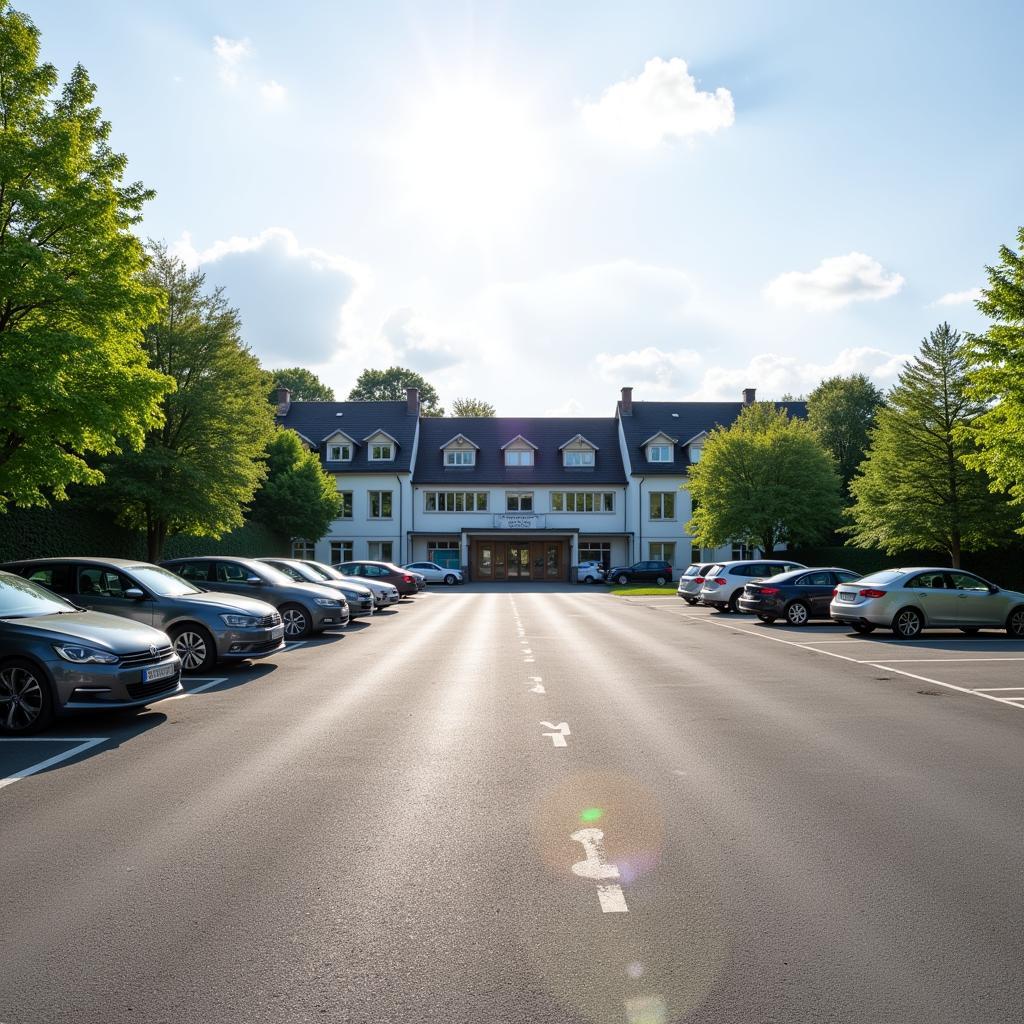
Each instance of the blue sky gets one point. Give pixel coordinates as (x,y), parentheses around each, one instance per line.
(538,203)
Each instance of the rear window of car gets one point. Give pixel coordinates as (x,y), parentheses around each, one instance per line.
(882,578)
(692,570)
(57,578)
(715,570)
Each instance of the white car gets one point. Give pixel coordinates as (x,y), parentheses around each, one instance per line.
(589,572)
(434,573)
(723,585)
(384,594)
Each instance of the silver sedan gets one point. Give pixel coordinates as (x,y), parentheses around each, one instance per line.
(908,601)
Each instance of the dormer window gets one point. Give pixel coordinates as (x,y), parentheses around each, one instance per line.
(578,458)
(519,458)
(459,452)
(384,451)
(695,453)
(659,453)
(339,453)
(460,458)
(695,446)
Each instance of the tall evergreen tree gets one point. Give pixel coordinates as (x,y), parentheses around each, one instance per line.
(913,490)
(842,411)
(198,472)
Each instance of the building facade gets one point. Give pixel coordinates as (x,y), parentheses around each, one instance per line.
(510,499)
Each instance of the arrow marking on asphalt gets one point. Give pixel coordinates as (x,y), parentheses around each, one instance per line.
(558,736)
(609,895)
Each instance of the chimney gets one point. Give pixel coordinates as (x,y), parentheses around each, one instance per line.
(284,401)
(749,395)
(626,404)
(412,401)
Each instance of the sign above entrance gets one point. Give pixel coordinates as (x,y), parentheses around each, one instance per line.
(518,521)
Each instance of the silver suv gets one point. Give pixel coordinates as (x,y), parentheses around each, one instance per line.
(204,628)
(724,582)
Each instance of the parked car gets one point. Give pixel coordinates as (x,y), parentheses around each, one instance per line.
(305,608)
(384,594)
(55,657)
(908,601)
(590,572)
(434,573)
(204,628)
(360,598)
(796,596)
(405,581)
(658,573)
(725,581)
(692,580)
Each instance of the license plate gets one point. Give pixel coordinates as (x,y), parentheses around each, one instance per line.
(151,675)
(845,598)
(277,633)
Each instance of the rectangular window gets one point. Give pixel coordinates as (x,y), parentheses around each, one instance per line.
(582,458)
(515,458)
(663,504)
(582,501)
(696,555)
(445,552)
(339,453)
(383,452)
(741,551)
(381,550)
(460,458)
(346,505)
(659,453)
(380,504)
(304,549)
(455,501)
(663,552)
(596,551)
(341,551)
(519,501)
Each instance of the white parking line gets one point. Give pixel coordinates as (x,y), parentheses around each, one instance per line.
(937,661)
(81,745)
(994,689)
(196,689)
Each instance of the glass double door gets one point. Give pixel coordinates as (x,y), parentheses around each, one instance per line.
(518,560)
(518,565)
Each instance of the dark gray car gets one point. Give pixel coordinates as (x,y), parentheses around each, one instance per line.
(204,628)
(55,657)
(305,607)
(360,598)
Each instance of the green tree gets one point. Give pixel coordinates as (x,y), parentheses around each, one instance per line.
(304,385)
(298,498)
(389,386)
(200,469)
(996,377)
(913,490)
(842,411)
(472,407)
(765,480)
(74,382)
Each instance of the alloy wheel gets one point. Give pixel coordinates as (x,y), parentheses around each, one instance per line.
(21,699)
(796,614)
(295,623)
(450,580)
(1015,625)
(907,624)
(191,648)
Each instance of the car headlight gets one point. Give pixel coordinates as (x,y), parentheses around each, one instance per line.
(238,620)
(326,602)
(85,655)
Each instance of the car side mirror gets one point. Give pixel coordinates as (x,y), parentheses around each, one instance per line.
(134,594)
(253,581)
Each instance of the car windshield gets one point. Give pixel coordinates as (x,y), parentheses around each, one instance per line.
(327,572)
(161,582)
(20,599)
(303,573)
(882,578)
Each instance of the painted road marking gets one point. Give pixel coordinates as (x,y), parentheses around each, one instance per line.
(81,745)
(609,895)
(196,689)
(997,689)
(538,688)
(558,735)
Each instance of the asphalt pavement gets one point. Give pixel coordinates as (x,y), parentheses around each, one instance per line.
(532,805)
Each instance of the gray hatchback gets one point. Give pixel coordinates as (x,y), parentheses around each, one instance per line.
(204,628)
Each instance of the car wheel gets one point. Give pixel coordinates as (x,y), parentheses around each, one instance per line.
(970,630)
(1015,623)
(296,621)
(863,628)
(908,624)
(26,702)
(769,619)
(623,579)
(587,580)
(691,601)
(451,580)
(797,614)
(661,581)
(734,603)
(194,645)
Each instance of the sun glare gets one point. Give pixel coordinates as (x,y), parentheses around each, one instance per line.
(472,160)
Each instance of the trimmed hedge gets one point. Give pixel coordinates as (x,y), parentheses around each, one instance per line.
(71,529)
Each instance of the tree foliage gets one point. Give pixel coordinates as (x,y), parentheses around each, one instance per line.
(304,385)
(74,381)
(389,386)
(298,498)
(913,490)
(996,377)
(200,469)
(472,407)
(765,480)
(842,411)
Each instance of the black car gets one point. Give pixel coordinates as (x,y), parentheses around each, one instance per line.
(796,596)
(658,573)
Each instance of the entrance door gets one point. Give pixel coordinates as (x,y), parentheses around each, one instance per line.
(519,561)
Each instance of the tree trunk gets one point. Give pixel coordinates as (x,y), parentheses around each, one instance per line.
(156,538)
(954,549)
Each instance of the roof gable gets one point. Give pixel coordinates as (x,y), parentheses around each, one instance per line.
(460,438)
(519,437)
(378,434)
(579,438)
(339,435)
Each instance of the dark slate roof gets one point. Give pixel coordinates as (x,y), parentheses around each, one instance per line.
(691,418)
(547,433)
(316,420)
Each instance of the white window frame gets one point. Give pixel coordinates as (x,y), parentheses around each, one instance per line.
(378,555)
(305,549)
(662,546)
(517,497)
(576,502)
(344,450)
(460,457)
(342,546)
(378,450)
(380,494)
(347,502)
(519,457)
(581,458)
(654,450)
(448,501)
(660,499)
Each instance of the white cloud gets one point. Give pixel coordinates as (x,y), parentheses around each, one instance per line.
(834,283)
(662,104)
(959,298)
(297,303)
(274,93)
(416,343)
(230,54)
(570,407)
(650,368)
